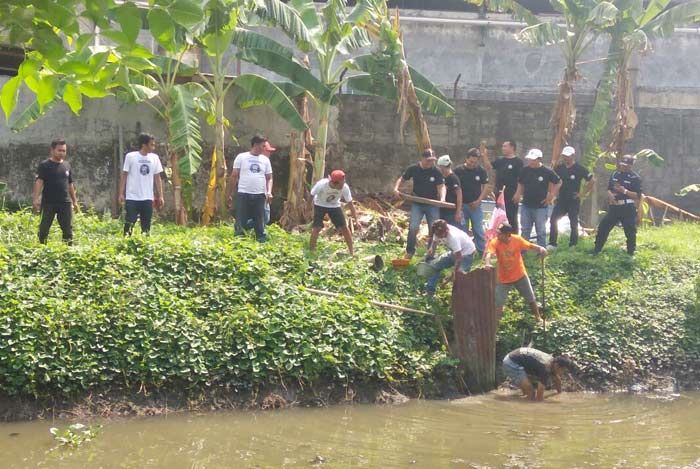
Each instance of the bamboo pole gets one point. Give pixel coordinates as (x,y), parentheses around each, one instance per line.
(658,203)
(376,303)
(423,200)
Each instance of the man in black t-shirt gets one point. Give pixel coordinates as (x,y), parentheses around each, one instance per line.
(453,192)
(570,194)
(507,170)
(624,190)
(54,193)
(473,179)
(525,366)
(428,183)
(537,188)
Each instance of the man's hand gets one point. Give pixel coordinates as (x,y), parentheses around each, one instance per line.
(577,195)
(122,199)
(268,197)
(488,266)
(543,252)
(160,202)
(458,216)
(517,198)
(611,198)
(618,188)
(475,205)
(76,206)
(396,192)
(549,199)
(36,205)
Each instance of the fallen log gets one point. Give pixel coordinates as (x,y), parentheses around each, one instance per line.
(423,200)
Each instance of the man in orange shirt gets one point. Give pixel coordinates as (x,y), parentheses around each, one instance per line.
(508,248)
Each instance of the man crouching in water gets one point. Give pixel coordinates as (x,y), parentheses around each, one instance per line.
(526,364)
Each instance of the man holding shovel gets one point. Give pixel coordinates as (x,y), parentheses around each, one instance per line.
(508,248)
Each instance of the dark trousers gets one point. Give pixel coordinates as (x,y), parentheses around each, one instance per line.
(625,214)
(511,208)
(64,213)
(569,208)
(251,206)
(141,209)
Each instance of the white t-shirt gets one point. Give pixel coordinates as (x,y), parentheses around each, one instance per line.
(141,169)
(326,196)
(253,169)
(457,240)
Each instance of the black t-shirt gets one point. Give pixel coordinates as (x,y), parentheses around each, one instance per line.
(571,179)
(536,185)
(57,177)
(507,172)
(472,181)
(425,181)
(535,362)
(452,185)
(630,181)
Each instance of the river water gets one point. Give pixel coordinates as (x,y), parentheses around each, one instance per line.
(491,431)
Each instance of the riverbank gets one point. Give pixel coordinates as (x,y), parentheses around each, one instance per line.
(192,317)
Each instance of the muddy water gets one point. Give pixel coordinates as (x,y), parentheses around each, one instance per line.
(568,431)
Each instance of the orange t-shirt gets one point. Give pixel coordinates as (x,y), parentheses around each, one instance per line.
(511,267)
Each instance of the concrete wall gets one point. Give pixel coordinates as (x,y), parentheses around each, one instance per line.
(506,90)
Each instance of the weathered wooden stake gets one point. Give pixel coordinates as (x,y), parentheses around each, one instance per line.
(475,324)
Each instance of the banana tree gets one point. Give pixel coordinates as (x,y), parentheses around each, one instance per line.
(223,20)
(331,35)
(633,31)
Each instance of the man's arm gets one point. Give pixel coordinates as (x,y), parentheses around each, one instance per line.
(458,205)
(73,197)
(587,188)
(442,191)
(540,392)
(268,181)
(552,192)
(397,185)
(484,191)
(458,259)
(36,196)
(518,193)
(159,190)
(232,183)
(122,187)
(353,211)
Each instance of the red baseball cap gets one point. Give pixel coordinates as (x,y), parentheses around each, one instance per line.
(268,147)
(337,175)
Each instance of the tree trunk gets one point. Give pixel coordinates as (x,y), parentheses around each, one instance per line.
(297,208)
(324,110)
(625,115)
(180,211)
(217,173)
(564,116)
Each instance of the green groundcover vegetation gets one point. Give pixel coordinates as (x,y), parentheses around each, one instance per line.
(196,308)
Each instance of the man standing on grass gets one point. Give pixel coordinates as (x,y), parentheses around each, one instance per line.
(54,193)
(508,248)
(507,170)
(267,151)
(328,194)
(537,188)
(525,366)
(428,183)
(461,253)
(140,173)
(251,177)
(473,179)
(624,190)
(453,192)
(570,195)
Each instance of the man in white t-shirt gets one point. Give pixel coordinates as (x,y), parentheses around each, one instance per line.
(251,178)
(140,173)
(461,253)
(328,194)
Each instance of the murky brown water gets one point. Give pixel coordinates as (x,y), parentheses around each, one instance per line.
(568,431)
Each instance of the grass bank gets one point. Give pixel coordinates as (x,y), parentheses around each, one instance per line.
(195,312)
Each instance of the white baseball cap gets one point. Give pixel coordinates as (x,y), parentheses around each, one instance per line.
(568,151)
(444,160)
(534,154)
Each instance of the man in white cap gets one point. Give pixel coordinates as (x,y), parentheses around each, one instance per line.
(473,179)
(427,183)
(537,188)
(570,194)
(624,190)
(453,192)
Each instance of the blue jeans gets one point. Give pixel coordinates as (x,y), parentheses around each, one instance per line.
(538,217)
(445,262)
(251,224)
(476,218)
(417,212)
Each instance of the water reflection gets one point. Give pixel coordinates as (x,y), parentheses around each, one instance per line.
(569,431)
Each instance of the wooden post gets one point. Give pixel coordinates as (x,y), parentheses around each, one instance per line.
(475,324)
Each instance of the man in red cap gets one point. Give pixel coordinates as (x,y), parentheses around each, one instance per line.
(328,194)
